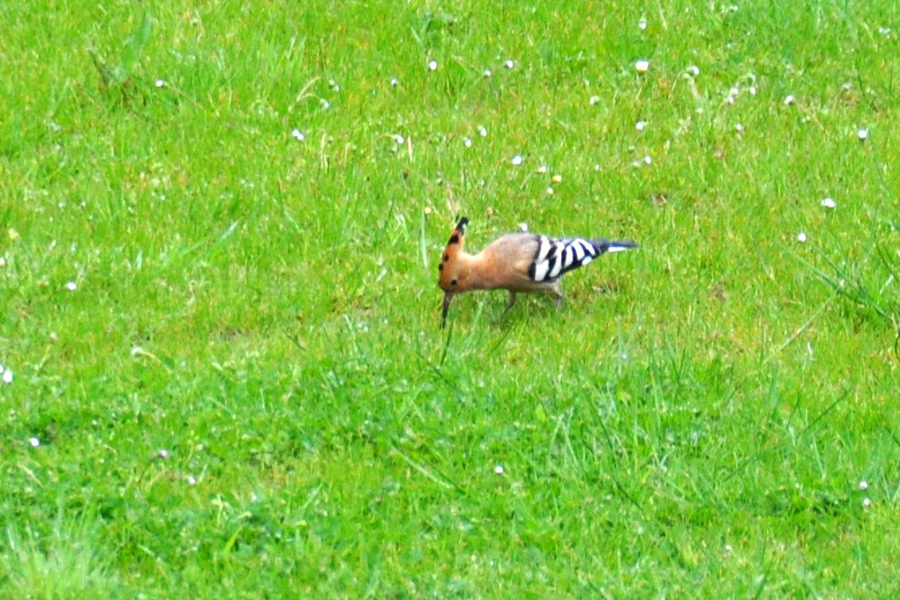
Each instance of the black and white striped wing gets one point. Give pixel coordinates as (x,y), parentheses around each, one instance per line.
(555,257)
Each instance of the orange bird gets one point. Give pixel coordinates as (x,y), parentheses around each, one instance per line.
(516,262)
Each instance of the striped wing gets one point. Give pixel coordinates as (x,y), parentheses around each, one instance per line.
(555,257)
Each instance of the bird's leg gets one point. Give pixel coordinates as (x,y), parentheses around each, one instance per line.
(557,291)
(512,300)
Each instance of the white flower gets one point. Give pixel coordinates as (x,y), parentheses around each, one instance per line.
(863,485)
(399,138)
(498,469)
(693,70)
(647,159)
(867,502)
(801,237)
(542,169)
(160,83)
(828,203)
(734,91)
(163,453)
(432,65)
(594,100)
(556,178)
(642,66)
(482,131)
(71,286)
(298,135)
(488,73)
(2,262)
(517,160)
(191,480)
(7,376)
(738,127)
(509,64)
(467,142)
(523,226)
(640,125)
(789,99)
(333,85)
(136,350)
(550,191)
(752,90)
(34,442)
(642,24)
(730,99)
(862,134)
(395,82)
(325,104)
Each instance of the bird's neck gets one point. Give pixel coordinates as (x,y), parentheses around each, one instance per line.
(478,270)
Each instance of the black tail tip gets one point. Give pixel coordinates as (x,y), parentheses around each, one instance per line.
(462,224)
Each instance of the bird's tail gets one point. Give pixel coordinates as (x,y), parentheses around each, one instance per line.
(609,246)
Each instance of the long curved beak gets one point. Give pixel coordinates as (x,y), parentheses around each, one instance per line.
(448,297)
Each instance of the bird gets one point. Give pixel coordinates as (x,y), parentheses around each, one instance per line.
(516,262)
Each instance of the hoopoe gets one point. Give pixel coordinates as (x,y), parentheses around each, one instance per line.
(516,262)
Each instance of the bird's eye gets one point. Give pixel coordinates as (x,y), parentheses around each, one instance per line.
(454,282)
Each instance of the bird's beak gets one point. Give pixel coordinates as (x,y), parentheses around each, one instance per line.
(448,296)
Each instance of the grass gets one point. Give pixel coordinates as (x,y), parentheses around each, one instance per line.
(247,394)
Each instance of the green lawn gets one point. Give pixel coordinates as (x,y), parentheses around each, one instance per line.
(220,225)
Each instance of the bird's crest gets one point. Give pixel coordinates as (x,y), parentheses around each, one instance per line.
(447,275)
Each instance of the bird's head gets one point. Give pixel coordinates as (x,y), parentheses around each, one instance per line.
(453,272)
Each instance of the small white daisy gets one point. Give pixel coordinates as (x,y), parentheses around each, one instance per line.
(640,125)
(594,100)
(550,191)
(789,99)
(163,453)
(399,139)
(642,24)
(828,203)
(647,159)
(738,127)
(160,83)
(498,469)
(642,66)
(71,286)
(395,82)
(467,142)
(863,485)
(488,73)
(542,169)
(482,131)
(298,135)
(34,442)
(693,70)
(862,134)
(432,65)
(801,237)
(556,178)
(867,502)
(8,376)
(191,480)
(517,160)
(730,99)
(752,90)
(509,64)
